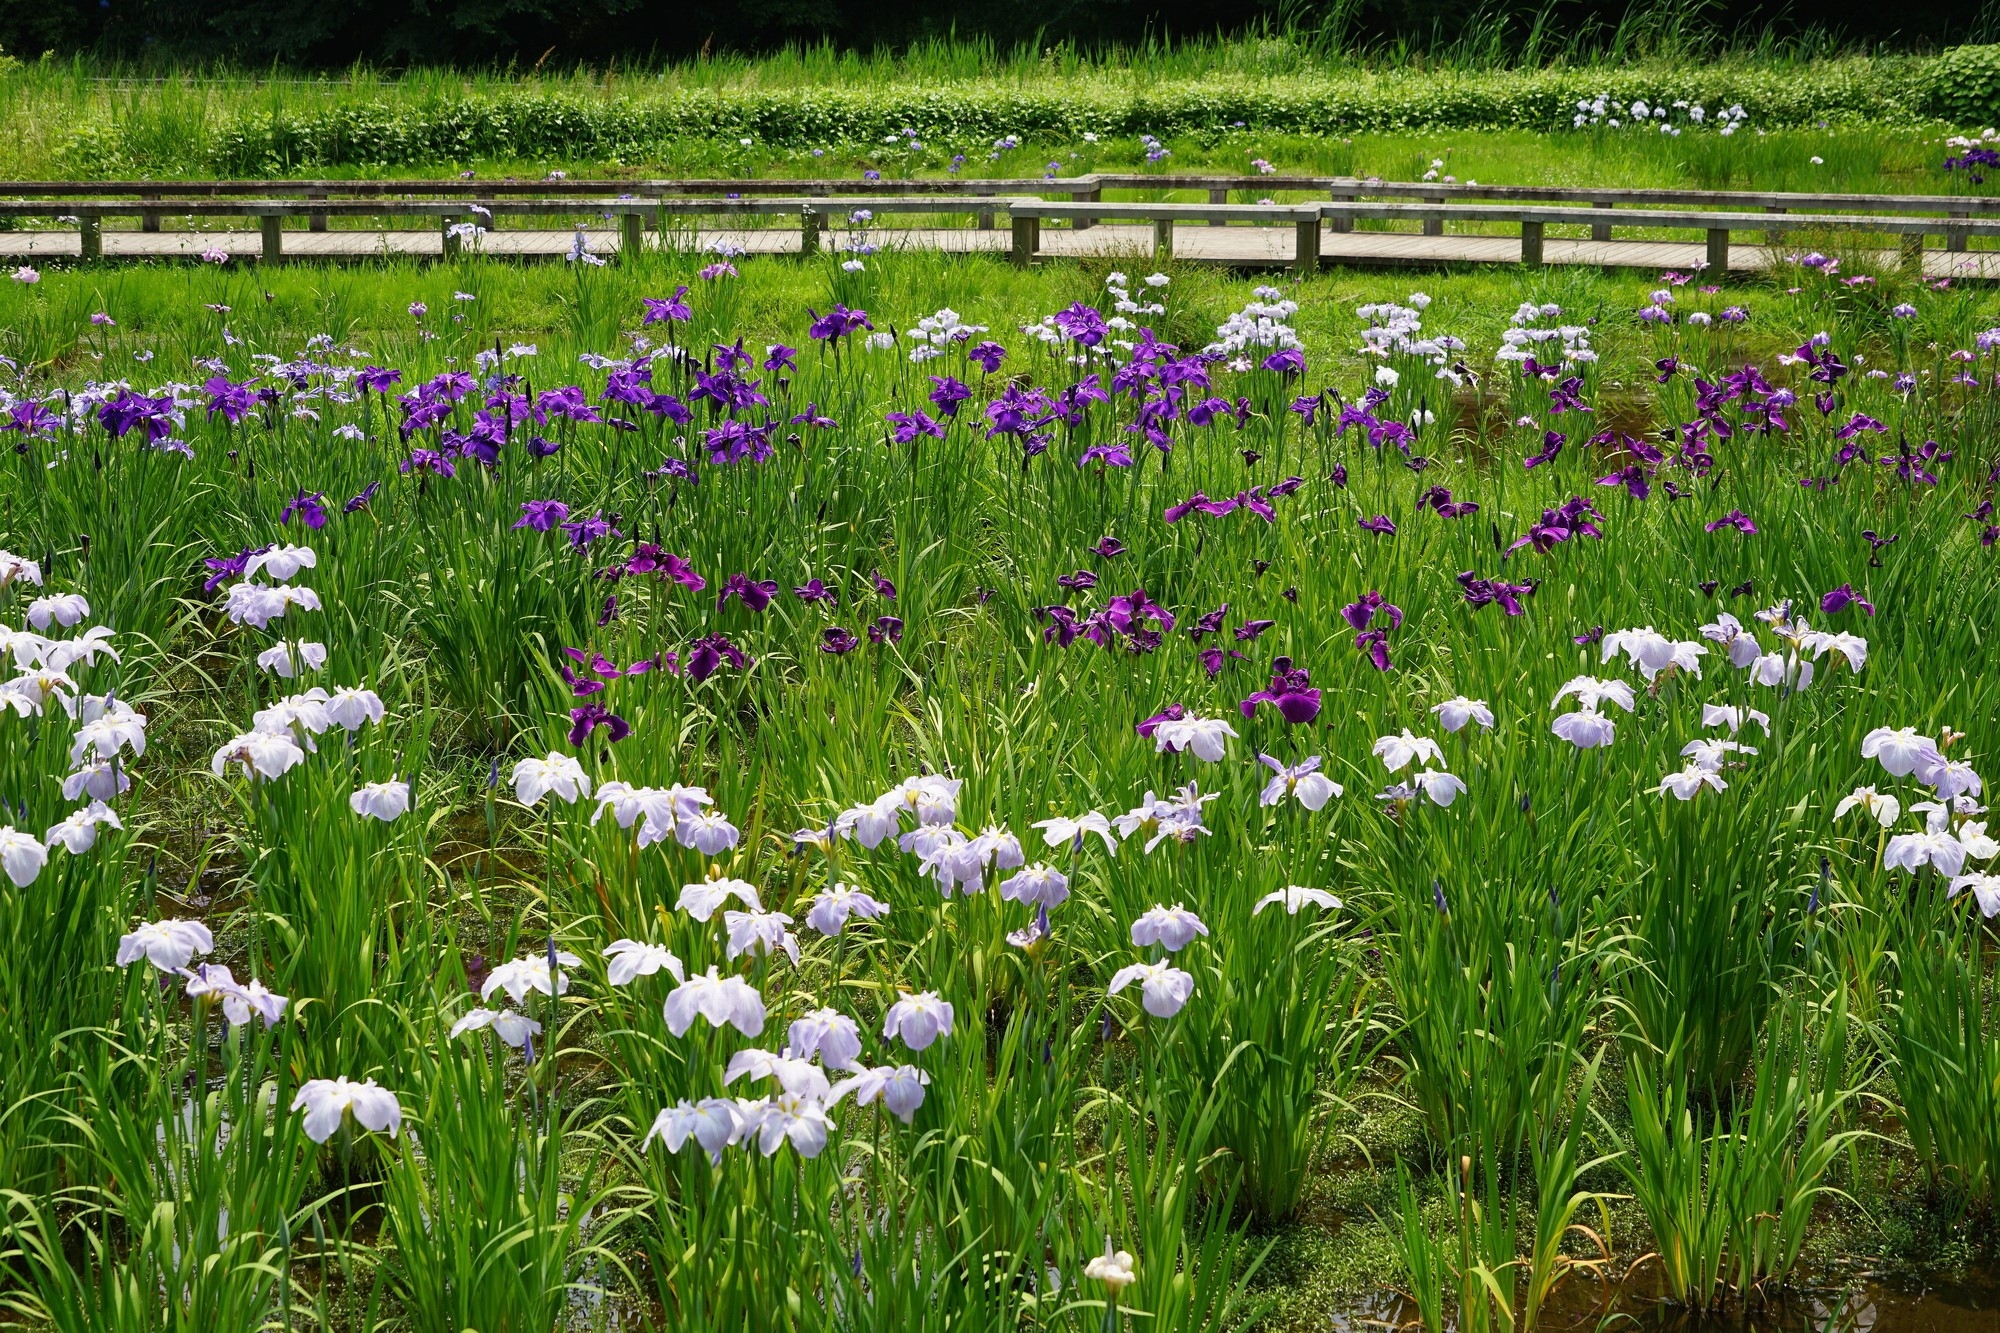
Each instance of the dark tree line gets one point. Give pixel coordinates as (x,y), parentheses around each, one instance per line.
(390,33)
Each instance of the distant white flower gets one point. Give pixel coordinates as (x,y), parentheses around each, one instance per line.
(261,753)
(706,831)
(1173,928)
(1163,988)
(828,1034)
(1712,754)
(1782,671)
(239,1001)
(1729,715)
(1586,730)
(834,905)
(757,932)
(1399,752)
(559,773)
(22,855)
(1850,648)
(1303,781)
(13,567)
(78,833)
(353,708)
(1900,750)
(1292,898)
(1056,832)
(900,1088)
(1885,808)
(1205,738)
(795,1074)
(918,1020)
(1591,693)
(512,1028)
(1115,1269)
(1454,714)
(1441,788)
(65,609)
(529,973)
(791,1118)
(714,1123)
(167,945)
(1951,778)
(700,900)
(1985,889)
(280,562)
(1036,885)
(386,801)
(1934,847)
(1652,652)
(101,781)
(327,1102)
(631,959)
(718,999)
(278,658)
(1690,780)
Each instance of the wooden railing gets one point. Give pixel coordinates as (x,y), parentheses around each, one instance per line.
(815,204)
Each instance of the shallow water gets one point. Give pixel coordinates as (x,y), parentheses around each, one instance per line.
(1962,1304)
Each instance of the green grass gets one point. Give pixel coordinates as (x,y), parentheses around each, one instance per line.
(1588,919)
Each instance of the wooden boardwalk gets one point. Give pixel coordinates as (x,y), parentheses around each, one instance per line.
(1230,246)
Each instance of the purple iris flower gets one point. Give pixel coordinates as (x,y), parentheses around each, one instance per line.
(1552,444)
(886,629)
(1379,524)
(362,500)
(1113,454)
(32,418)
(224,568)
(1171,713)
(429,460)
(542,515)
(1843,597)
(907,426)
(591,716)
(1375,643)
(838,641)
(883,587)
(1308,407)
(1358,614)
(708,653)
(734,441)
(1213,660)
(379,379)
(947,393)
(756,594)
(1290,361)
(661,309)
(1291,693)
(1736,519)
(1081,581)
(1081,324)
(1108,548)
(152,417)
(836,324)
(1208,624)
(1482,592)
(779,358)
(1250,629)
(1062,628)
(988,356)
(681,572)
(815,591)
(812,417)
(1633,478)
(1286,487)
(583,531)
(232,401)
(310,506)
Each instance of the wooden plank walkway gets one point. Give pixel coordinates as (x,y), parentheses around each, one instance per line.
(1230,246)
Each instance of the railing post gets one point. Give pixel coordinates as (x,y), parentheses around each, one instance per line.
(809,220)
(1531,244)
(1305,253)
(1954,237)
(1913,254)
(1434,226)
(1341,222)
(1774,237)
(90,238)
(316,221)
(1163,240)
(149,219)
(274,239)
(1600,231)
(1024,240)
(1718,250)
(631,235)
(1093,195)
(1218,197)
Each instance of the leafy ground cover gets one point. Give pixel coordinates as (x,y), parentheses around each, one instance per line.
(1074,798)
